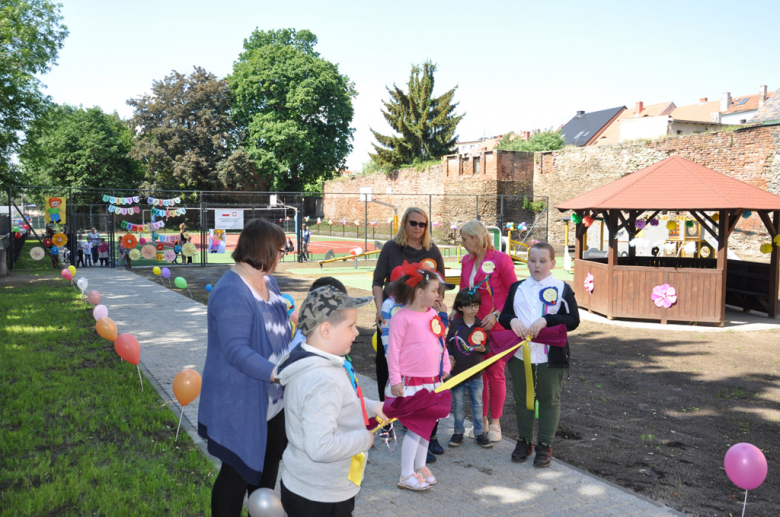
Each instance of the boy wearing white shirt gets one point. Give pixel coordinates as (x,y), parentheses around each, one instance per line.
(533,304)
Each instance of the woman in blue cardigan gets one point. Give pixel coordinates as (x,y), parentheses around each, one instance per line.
(241,412)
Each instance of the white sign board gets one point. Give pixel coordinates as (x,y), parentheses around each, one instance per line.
(229,218)
(365,194)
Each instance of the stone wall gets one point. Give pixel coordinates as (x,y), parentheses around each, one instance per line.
(751,155)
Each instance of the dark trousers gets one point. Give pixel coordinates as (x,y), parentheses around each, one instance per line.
(297,506)
(80,261)
(227,495)
(382,374)
(94,255)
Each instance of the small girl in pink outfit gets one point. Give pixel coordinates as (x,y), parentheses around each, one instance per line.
(416,359)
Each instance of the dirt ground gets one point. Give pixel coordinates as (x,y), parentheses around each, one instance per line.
(651,411)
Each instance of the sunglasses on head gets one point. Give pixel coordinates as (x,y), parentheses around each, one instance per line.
(415,224)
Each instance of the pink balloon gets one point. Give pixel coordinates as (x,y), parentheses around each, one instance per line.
(294,317)
(100,311)
(66,274)
(94,297)
(745,466)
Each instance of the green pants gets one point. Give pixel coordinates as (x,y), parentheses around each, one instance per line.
(549,382)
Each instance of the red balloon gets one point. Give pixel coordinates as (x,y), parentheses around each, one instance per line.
(128,348)
(66,274)
(18,235)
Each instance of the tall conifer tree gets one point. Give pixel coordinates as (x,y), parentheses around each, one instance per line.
(426,124)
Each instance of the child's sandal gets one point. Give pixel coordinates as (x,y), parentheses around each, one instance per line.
(414,482)
(427,475)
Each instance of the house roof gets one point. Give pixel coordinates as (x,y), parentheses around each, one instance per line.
(770,110)
(699,112)
(611,133)
(744,103)
(675,184)
(580,129)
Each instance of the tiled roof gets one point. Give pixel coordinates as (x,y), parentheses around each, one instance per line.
(611,133)
(750,103)
(675,184)
(770,110)
(698,112)
(579,130)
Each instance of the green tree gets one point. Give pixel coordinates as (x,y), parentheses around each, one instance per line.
(186,139)
(426,124)
(31,34)
(543,141)
(76,147)
(294,106)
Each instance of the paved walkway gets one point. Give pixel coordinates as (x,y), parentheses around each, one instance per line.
(472,481)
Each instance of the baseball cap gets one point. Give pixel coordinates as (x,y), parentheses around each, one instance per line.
(321,303)
(447,286)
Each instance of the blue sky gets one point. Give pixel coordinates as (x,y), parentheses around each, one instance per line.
(518,65)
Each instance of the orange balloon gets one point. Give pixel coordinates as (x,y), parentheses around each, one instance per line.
(186,386)
(106,328)
(126,345)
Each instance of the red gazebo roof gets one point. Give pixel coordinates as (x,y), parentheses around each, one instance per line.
(675,184)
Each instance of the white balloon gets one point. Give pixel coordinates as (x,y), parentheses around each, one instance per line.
(82,284)
(264,502)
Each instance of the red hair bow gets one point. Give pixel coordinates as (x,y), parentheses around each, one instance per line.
(406,269)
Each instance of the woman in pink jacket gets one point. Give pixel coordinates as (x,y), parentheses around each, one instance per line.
(484,261)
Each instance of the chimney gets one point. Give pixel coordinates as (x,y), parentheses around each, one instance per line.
(580,113)
(761,95)
(702,100)
(638,110)
(725,102)
(715,117)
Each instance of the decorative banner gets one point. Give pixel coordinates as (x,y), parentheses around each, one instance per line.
(55,210)
(163,202)
(142,227)
(124,211)
(216,241)
(121,200)
(169,213)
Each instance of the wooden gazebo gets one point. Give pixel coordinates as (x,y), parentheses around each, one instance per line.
(622,286)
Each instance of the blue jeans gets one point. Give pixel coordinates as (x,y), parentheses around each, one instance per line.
(459,404)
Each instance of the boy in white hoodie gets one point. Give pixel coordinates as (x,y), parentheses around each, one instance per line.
(325,413)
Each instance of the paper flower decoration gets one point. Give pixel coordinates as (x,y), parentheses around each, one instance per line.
(343,221)
(715,217)
(640,224)
(746,214)
(671,226)
(777,240)
(587,221)
(169,255)
(689,224)
(129,241)
(589,283)
(188,249)
(59,239)
(158,257)
(148,251)
(47,242)
(177,249)
(54,250)
(664,296)
(766,247)
(437,326)
(160,247)
(576,218)
(654,222)
(135,254)
(141,241)
(37,253)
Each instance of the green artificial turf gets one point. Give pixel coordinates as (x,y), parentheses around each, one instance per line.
(77,435)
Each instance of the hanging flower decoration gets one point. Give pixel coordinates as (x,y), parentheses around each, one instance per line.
(478,337)
(437,326)
(59,239)
(576,218)
(135,254)
(716,217)
(177,249)
(671,226)
(640,224)
(587,221)
(37,253)
(141,241)
(158,257)
(589,283)
(54,250)
(689,224)
(776,240)
(664,296)
(129,241)
(746,214)
(169,255)
(47,242)
(654,222)
(188,249)
(766,247)
(160,247)
(148,251)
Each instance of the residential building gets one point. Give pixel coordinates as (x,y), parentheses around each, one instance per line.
(585,128)
(611,133)
(703,111)
(770,112)
(740,110)
(475,146)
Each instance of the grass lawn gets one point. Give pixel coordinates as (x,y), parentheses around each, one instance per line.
(77,435)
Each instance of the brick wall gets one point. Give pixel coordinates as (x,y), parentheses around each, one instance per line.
(751,155)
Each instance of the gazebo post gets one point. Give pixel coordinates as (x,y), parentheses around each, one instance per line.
(631,229)
(774,263)
(612,258)
(579,236)
(722,263)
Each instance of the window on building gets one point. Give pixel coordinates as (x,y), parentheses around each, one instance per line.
(743,101)
(578,134)
(679,131)
(476,166)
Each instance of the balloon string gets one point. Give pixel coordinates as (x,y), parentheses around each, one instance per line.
(744,505)
(188,289)
(139,378)
(177,428)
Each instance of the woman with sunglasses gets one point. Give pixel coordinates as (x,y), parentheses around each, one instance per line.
(490,272)
(241,412)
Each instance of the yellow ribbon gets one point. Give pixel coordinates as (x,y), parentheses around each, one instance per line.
(357,467)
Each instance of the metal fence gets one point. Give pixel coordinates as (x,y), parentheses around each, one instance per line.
(346,216)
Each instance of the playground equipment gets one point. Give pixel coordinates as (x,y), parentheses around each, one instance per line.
(330,253)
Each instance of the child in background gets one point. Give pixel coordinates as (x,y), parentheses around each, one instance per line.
(325,413)
(80,252)
(103,253)
(87,247)
(467,343)
(531,305)
(416,360)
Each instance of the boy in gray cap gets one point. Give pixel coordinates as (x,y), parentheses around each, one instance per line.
(325,412)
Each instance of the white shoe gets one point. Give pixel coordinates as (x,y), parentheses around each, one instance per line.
(427,475)
(494,433)
(414,482)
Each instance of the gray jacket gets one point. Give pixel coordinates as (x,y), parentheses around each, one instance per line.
(324,425)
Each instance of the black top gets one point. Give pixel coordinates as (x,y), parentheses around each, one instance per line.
(462,361)
(558,357)
(393,255)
